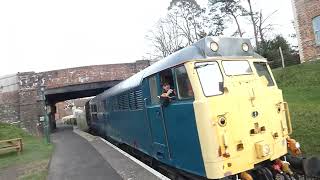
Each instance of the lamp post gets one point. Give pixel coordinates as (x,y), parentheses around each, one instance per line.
(46,127)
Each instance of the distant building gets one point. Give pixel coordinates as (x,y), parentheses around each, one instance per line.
(307,20)
(64,108)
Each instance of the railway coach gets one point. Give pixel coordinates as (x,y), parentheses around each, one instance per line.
(227,118)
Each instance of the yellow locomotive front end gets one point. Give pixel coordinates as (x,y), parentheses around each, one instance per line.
(241,117)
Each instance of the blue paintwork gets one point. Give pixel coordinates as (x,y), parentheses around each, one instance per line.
(145,130)
(154,115)
(183,137)
(131,128)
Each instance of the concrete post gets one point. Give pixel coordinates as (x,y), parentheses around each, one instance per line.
(282,59)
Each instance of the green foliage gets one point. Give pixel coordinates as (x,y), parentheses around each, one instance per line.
(37,175)
(192,5)
(189,19)
(185,23)
(270,50)
(302,75)
(8,131)
(300,85)
(228,7)
(227,10)
(34,148)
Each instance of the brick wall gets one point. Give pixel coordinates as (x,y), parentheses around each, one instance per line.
(305,11)
(30,106)
(87,74)
(62,111)
(30,110)
(9,107)
(9,99)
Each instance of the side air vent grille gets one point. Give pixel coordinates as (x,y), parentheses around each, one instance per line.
(139,99)
(128,101)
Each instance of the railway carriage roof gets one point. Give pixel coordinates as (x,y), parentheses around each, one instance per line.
(228,47)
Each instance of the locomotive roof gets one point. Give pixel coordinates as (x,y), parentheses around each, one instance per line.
(228,47)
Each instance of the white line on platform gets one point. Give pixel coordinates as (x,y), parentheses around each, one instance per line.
(154,172)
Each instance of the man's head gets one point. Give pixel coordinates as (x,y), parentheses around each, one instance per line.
(166,86)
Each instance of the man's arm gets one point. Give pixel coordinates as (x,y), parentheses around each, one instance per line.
(167,93)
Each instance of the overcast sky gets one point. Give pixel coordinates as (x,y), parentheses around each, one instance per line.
(41,35)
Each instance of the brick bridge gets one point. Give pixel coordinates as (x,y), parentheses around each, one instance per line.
(20,101)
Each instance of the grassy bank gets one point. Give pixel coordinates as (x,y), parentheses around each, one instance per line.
(32,162)
(301,89)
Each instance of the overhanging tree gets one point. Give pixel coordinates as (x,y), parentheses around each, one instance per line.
(253,17)
(185,23)
(270,50)
(228,9)
(189,15)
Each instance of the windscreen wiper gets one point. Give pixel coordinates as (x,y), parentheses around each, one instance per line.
(201,66)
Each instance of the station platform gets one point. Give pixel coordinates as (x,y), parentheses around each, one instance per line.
(81,156)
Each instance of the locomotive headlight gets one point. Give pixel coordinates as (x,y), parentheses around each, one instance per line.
(214,46)
(245,47)
(266,150)
(222,121)
(262,149)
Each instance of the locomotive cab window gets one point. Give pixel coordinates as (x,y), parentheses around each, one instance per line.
(262,71)
(184,88)
(210,78)
(234,68)
(168,92)
(166,76)
(153,86)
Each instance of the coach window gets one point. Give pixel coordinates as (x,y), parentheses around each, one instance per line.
(153,85)
(184,88)
(316,29)
(94,108)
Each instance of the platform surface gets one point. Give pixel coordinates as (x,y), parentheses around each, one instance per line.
(126,166)
(81,156)
(74,158)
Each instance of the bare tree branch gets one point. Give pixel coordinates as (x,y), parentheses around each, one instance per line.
(185,23)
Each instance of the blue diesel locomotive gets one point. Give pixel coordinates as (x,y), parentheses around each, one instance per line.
(227,118)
